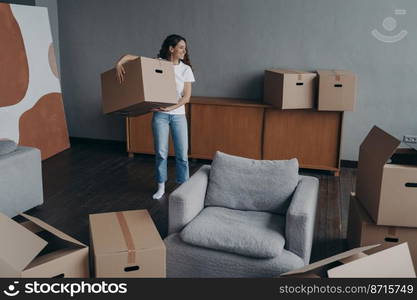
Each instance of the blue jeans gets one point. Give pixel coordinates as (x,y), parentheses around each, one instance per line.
(161,123)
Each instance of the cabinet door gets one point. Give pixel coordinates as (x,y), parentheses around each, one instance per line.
(140,136)
(312,137)
(231,129)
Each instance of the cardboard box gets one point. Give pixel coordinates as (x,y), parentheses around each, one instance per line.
(362,231)
(36,249)
(388,191)
(126,244)
(289,89)
(394,262)
(337,90)
(148,83)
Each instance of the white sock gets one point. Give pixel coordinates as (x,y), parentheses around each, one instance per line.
(160,192)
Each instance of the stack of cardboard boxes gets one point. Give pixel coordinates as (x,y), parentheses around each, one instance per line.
(293,89)
(123,244)
(383,212)
(384,209)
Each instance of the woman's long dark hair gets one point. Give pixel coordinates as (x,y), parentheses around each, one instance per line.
(172,40)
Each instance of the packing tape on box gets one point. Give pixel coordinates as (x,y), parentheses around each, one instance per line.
(392,231)
(127,237)
(300,74)
(336,75)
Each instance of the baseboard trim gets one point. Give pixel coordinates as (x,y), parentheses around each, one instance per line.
(83,140)
(349,164)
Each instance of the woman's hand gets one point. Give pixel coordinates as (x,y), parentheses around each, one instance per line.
(120,72)
(165,109)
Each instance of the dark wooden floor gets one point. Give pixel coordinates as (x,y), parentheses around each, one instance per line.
(99,177)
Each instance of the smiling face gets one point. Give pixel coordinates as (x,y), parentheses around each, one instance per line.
(178,52)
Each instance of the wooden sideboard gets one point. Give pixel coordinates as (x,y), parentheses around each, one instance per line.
(231,126)
(251,129)
(313,137)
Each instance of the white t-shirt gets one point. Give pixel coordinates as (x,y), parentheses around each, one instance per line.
(183,73)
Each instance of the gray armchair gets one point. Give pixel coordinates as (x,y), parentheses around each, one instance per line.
(20,179)
(187,260)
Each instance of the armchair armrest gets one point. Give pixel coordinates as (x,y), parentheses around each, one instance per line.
(186,202)
(300,218)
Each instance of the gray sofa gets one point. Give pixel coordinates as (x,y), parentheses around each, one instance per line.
(188,260)
(20,180)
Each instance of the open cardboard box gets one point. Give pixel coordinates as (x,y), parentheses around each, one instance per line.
(126,244)
(388,191)
(394,262)
(337,90)
(36,249)
(363,231)
(148,83)
(289,89)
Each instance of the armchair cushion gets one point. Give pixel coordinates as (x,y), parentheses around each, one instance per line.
(248,233)
(7,146)
(248,184)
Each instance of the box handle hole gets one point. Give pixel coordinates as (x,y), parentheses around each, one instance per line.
(300,83)
(338,85)
(159,71)
(62,275)
(391,240)
(411,184)
(131,269)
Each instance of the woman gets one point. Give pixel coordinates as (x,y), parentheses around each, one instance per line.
(174,49)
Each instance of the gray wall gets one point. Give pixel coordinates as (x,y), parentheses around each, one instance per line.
(232,42)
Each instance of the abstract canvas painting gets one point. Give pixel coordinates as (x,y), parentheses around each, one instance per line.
(31,107)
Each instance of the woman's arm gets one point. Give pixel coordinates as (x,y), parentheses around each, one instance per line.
(184,99)
(120,70)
